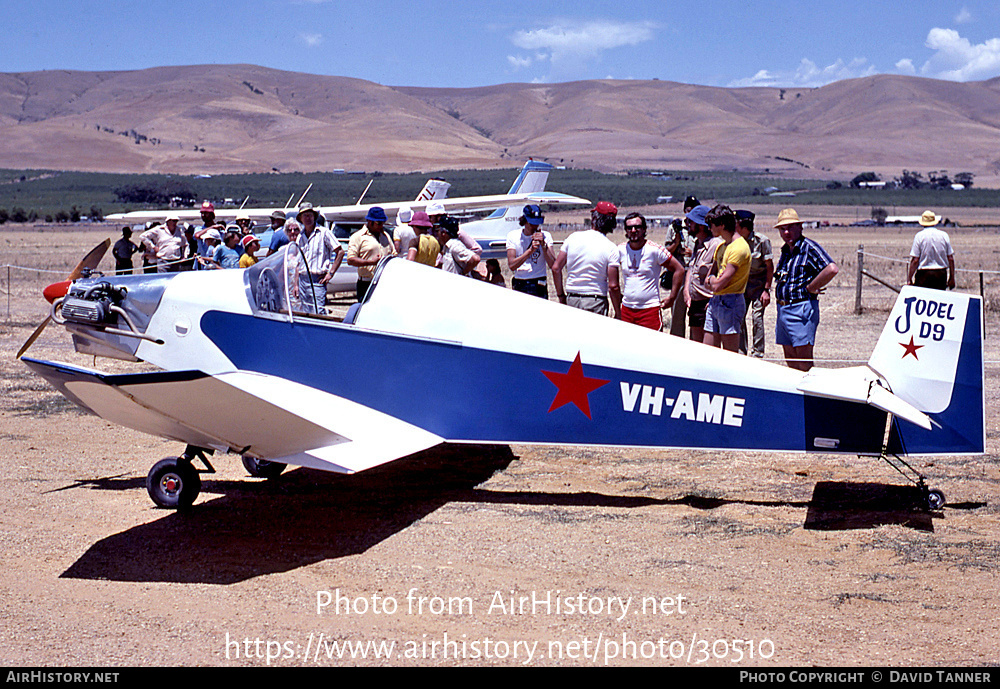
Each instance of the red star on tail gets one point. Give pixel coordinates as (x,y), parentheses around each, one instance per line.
(910,349)
(573,387)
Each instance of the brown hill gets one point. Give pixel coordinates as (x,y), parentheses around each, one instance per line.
(223,118)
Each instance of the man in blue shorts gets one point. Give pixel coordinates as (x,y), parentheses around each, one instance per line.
(803,271)
(727,307)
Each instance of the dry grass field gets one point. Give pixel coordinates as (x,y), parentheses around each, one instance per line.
(723,559)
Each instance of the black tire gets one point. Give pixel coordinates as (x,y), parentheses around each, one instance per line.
(173,484)
(935,499)
(261,468)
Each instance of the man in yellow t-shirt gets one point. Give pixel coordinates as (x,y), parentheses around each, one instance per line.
(724,316)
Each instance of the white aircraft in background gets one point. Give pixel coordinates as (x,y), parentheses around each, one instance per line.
(490,233)
(528,188)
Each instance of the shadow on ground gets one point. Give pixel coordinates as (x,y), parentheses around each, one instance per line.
(303,517)
(837,506)
(306,516)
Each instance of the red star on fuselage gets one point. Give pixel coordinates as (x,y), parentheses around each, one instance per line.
(573,387)
(910,348)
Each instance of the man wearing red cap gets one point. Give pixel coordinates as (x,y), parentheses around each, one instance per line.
(591,263)
(207,214)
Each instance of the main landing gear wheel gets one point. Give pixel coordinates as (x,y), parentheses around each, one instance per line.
(173,483)
(261,468)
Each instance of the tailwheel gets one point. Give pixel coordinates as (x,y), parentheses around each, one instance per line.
(935,499)
(173,483)
(262,468)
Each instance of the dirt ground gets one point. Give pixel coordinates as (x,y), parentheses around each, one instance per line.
(492,556)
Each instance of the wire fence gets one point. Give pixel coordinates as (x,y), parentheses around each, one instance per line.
(879,279)
(21,289)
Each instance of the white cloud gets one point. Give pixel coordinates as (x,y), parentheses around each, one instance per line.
(808,75)
(964,16)
(957,59)
(311,39)
(570,45)
(517,62)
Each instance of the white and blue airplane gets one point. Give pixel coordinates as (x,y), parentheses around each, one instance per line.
(242,369)
(528,188)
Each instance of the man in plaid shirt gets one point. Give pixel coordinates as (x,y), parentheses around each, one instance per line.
(803,271)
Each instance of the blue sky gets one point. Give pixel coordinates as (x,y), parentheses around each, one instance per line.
(436,43)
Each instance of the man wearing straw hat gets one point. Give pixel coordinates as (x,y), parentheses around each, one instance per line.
(322,256)
(932,260)
(803,271)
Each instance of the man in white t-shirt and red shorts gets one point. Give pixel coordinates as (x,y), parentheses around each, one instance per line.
(640,264)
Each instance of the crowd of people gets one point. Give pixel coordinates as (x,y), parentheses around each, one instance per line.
(715,267)
(172,246)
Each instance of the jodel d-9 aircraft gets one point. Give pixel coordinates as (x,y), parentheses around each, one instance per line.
(244,369)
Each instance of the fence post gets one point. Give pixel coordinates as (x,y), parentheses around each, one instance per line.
(982,296)
(861,270)
(8,294)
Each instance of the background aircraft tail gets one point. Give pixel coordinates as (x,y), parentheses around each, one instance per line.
(931,355)
(533,177)
(434,189)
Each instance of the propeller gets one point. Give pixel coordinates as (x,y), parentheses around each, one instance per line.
(59,289)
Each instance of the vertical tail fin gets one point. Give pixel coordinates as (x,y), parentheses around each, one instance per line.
(434,189)
(533,177)
(931,354)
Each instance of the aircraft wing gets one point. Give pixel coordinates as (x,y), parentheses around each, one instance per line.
(467,203)
(357,212)
(250,413)
(260,215)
